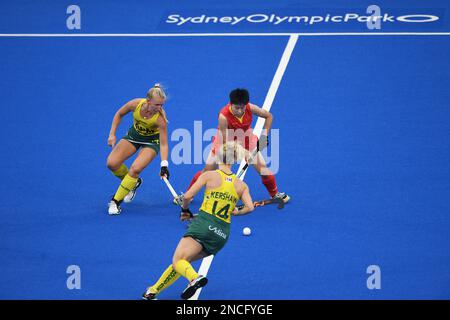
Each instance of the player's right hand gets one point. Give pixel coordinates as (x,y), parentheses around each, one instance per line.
(111,141)
(186,214)
(164,172)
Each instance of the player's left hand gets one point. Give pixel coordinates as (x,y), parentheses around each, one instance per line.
(263,142)
(164,172)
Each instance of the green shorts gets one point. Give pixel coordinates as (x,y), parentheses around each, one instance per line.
(138,140)
(211,232)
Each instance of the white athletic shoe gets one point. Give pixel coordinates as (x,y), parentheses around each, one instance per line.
(114,207)
(130,196)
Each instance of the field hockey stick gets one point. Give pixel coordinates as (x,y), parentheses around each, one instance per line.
(175,195)
(172,190)
(264,202)
(244,168)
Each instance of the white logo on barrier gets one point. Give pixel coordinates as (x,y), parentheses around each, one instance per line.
(258,18)
(418,18)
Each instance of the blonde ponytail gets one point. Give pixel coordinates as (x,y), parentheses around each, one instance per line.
(231,152)
(156,91)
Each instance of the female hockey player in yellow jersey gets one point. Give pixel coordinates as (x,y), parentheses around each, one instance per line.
(148,133)
(209,231)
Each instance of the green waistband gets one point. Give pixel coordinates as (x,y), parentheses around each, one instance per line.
(212,218)
(136,136)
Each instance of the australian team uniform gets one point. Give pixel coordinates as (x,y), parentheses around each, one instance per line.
(211,227)
(241,126)
(144,132)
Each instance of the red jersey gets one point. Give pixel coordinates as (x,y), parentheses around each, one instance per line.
(246,137)
(234,122)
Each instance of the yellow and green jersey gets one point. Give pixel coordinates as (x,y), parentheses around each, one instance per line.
(143,126)
(220,201)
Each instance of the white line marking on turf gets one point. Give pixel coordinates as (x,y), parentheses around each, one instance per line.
(262,34)
(273,89)
(206,262)
(375,34)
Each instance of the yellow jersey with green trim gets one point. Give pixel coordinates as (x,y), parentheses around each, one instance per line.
(143,126)
(220,201)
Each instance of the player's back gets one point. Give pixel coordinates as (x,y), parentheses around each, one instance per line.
(223,190)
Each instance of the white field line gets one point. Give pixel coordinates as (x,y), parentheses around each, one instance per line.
(206,262)
(261,34)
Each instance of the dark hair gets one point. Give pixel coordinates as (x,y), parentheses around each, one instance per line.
(239,96)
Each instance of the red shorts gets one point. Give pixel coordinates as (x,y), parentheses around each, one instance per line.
(249,142)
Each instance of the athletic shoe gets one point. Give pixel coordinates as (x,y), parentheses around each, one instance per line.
(130,196)
(148,295)
(193,286)
(114,207)
(283,196)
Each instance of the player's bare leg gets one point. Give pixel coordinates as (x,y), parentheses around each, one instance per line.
(189,250)
(268,179)
(115,162)
(121,152)
(146,155)
(129,182)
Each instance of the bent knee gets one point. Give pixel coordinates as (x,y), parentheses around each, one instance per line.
(176,258)
(135,170)
(174,262)
(112,164)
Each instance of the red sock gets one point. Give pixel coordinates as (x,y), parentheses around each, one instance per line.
(194,179)
(270,184)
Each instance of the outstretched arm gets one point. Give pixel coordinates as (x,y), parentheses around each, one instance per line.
(260,112)
(164,147)
(126,108)
(186,214)
(223,126)
(248,203)
(263,139)
(194,189)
